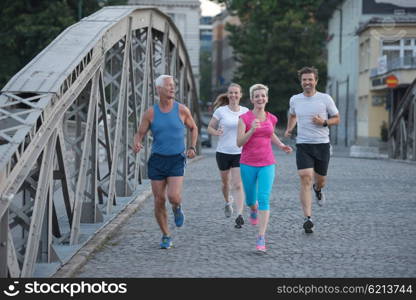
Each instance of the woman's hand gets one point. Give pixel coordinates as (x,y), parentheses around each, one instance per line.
(219,131)
(286,148)
(255,124)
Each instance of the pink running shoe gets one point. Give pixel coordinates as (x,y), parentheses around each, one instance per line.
(261,243)
(253,216)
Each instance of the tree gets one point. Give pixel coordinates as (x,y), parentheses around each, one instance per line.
(28,26)
(274,40)
(205,67)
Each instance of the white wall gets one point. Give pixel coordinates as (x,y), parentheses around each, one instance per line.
(186,15)
(344,73)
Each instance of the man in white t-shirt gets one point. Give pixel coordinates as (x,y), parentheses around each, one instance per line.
(224,123)
(313,112)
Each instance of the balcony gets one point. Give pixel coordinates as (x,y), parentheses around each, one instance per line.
(399,63)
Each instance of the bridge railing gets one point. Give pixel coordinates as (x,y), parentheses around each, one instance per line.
(67,121)
(402,131)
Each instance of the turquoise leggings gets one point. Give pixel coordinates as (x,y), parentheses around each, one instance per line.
(257,184)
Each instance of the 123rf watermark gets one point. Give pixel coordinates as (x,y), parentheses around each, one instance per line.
(72,288)
(368,289)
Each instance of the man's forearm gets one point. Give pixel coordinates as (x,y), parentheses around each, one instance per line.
(194,136)
(138,137)
(333,120)
(291,123)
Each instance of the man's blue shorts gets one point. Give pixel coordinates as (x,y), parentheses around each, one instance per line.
(159,167)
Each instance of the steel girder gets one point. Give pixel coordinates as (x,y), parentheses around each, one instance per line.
(67,121)
(402,132)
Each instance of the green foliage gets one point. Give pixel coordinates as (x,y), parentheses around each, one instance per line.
(205,67)
(274,40)
(28,26)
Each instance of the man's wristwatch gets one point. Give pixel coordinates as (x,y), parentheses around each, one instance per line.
(192,148)
(325,124)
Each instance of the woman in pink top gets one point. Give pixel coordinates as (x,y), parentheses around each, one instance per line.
(257,163)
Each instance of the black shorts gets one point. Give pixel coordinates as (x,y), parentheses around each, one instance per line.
(226,161)
(159,167)
(314,156)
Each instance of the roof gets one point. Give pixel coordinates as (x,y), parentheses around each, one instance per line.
(368,7)
(394,19)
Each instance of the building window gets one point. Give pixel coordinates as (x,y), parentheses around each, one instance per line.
(391,43)
(400,53)
(378,100)
(408,57)
(364,55)
(393,57)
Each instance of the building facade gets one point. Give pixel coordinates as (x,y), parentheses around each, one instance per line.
(205,33)
(205,61)
(387,67)
(351,56)
(224,64)
(186,16)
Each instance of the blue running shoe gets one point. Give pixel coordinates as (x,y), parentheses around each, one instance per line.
(253,216)
(179,216)
(261,243)
(166,242)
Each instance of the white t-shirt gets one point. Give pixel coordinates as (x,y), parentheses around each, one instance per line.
(228,120)
(305,108)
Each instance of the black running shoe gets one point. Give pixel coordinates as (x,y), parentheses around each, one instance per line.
(308,225)
(239,221)
(319,196)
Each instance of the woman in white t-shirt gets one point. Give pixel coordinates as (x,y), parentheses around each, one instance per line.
(224,123)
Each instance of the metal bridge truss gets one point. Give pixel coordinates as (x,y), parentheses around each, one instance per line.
(67,121)
(402,132)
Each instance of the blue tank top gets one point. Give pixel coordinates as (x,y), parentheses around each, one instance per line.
(168,131)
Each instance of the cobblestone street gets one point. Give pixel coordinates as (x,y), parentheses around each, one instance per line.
(366,228)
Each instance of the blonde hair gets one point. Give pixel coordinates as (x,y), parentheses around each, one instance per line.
(222,99)
(256,87)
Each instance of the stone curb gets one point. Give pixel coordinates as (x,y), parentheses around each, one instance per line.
(71,267)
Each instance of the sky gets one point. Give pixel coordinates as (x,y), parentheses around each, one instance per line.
(209,8)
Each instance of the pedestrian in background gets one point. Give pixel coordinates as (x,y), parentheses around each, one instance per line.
(313,112)
(166,165)
(223,124)
(257,164)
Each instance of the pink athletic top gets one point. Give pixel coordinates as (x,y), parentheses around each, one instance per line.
(258,151)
